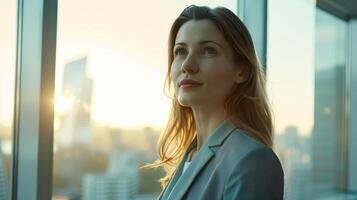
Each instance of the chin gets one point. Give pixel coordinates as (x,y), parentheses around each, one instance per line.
(189,102)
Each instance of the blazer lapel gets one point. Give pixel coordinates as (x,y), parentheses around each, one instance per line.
(182,182)
(167,191)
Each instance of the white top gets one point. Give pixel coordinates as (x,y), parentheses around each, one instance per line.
(186,166)
(187,162)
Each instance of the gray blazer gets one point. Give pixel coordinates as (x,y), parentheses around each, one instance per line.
(229,165)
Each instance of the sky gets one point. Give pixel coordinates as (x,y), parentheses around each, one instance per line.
(125,44)
(126,47)
(290,61)
(7,59)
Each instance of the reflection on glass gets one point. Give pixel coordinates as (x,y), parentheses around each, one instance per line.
(329,151)
(110,105)
(7,91)
(306,77)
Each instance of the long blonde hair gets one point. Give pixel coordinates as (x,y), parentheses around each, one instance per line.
(247,104)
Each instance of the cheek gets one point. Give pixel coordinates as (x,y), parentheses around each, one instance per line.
(172,76)
(220,73)
(174,73)
(222,79)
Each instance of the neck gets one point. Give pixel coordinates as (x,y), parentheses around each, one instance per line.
(206,121)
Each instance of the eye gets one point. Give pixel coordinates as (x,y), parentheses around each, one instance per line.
(179,51)
(209,50)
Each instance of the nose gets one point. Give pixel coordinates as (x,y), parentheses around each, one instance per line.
(190,65)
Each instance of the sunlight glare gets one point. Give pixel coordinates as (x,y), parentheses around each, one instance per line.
(63,104)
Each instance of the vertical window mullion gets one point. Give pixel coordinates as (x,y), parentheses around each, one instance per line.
(254,16)
(352,172)
(33,132)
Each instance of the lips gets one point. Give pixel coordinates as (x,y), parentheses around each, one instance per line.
(189,82)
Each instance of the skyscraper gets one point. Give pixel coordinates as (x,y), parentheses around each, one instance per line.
(328,150)
(120,182)
(75,125)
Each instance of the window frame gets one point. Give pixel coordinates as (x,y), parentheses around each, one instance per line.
(352,76)
(34,91)
(254,15)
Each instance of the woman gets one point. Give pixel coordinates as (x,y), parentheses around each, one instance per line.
(217,143)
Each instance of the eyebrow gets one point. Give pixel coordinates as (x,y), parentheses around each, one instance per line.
(201,43)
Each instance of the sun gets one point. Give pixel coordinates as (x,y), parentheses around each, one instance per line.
(63,104)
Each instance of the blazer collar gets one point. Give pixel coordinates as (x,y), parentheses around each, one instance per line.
(182,181)
(218,135)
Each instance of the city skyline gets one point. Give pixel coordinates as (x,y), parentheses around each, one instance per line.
(119,58)
(110,105)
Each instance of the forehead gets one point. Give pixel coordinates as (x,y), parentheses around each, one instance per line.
(195,31)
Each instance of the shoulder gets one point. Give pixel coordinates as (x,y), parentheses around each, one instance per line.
(253,168)
(238,145)
(244,149)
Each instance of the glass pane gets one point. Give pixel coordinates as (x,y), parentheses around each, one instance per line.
(110,105)
(329,150)
(7,90)
(290,75)
(306,83)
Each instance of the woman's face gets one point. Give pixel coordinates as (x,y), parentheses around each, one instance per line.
(203,71)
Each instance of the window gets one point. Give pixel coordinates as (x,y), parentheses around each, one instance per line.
(110,105)
(7,91)
(306,66)
(329,150)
